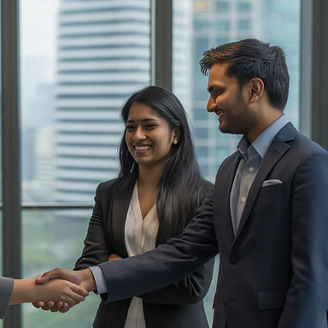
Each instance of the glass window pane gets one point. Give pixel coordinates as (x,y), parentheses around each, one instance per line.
(276,22)
(79,60)
(55,239)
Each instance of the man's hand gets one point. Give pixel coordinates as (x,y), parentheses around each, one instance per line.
(83,278)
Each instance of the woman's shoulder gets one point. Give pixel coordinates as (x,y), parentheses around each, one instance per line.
(118,182)
(207,185)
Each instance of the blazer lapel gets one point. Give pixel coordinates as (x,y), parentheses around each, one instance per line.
(122,194)
(222,193)
(276,150)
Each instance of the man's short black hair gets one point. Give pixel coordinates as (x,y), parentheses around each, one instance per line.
(252,58)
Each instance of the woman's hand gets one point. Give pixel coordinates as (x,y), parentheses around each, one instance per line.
(56,290)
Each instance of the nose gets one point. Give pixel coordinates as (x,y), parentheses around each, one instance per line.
(211,105)
(139,133)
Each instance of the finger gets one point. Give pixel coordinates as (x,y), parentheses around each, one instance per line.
(64,308)
(74,298)
(38,304)
(57,306)
(79,290)
(53,274)
(48,305)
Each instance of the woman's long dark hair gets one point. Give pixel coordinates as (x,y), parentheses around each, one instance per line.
(180,189)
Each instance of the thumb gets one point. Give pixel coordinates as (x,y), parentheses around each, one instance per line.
(53,274)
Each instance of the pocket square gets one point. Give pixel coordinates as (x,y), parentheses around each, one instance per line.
(271,182)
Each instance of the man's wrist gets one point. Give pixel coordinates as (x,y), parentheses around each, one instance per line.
(88,280)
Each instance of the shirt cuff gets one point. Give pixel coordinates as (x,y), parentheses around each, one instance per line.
(99,280)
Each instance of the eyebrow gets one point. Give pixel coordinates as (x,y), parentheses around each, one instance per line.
(143,121)
(215,88)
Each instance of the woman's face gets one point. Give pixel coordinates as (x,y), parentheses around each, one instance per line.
(148,136)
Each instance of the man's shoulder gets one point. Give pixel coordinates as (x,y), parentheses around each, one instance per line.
(306,147)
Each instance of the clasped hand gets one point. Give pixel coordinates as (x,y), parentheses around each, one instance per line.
(79,283)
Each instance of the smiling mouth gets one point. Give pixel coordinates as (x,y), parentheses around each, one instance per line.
(141,148)
(219,113)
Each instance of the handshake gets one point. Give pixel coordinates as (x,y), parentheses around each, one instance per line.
(56,290)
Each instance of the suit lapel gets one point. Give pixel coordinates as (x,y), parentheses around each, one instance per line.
(222,193)
(122,194)
(276,150)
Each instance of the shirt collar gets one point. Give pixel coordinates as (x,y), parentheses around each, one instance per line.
(263,141)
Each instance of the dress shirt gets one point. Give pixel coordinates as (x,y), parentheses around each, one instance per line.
(140,237)
(251,158)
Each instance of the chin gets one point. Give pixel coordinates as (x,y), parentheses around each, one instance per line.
(223,129)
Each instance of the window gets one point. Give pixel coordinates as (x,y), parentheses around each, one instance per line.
(79,61)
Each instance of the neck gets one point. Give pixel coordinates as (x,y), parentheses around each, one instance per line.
(268,118)
(150,177)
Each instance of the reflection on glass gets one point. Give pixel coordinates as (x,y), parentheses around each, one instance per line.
(55,239)
(276,22)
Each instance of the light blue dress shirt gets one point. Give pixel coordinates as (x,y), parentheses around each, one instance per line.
(251,158)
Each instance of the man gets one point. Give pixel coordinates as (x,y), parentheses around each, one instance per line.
(267,217)
(16,291)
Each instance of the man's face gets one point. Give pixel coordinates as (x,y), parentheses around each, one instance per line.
(229,102)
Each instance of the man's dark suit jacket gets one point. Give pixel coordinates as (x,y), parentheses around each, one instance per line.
(274,272)
(179,305)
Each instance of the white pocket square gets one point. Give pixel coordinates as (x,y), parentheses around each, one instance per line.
(271,182)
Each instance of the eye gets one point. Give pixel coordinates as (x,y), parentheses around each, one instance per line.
(150,126)
(129,127)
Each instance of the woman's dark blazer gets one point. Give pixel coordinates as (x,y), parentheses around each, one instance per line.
(179,305)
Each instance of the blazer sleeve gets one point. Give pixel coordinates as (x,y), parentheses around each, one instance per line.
(307,296)
(165,264)
(95,249)
(190,290)
(193,287)
(6,288)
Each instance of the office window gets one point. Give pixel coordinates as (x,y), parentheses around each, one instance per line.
(244,25)
(80,60)
(244,6)
(222,6)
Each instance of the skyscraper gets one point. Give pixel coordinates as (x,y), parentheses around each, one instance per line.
(103,57)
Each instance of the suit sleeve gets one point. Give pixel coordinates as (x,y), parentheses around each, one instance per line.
(6,288)
(193,287)
(167,263)
(95,248)
(307,297)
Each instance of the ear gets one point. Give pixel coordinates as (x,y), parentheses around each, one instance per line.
(256,89)
(175,135)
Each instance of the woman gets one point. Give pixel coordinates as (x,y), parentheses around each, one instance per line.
(158,190)
(16,291)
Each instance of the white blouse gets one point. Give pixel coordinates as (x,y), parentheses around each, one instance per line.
(140,237)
